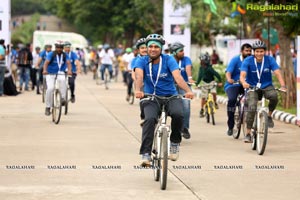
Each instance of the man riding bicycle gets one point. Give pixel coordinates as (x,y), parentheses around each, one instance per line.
(75,68)
(55,65)
(185,67)
(233,90)
(256,70)
(155,73)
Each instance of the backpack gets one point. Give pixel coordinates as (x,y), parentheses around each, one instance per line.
(54,55)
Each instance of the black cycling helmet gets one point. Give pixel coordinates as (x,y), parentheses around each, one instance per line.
(259,45)
(140,42)
(205,58)
(155,37)
(59,43)
(175,46)
(67,43)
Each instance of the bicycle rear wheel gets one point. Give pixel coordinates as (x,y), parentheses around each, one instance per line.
(155,156)
(237,122)
(56,109)
(212,114)
(164,159)
(106,80)
(262,133)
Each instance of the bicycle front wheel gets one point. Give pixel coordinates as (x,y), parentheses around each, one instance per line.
(207,114)
(155,156)
(67,100)
(56,109)
(237,122)
(262,133)
(164,159)
(212,114)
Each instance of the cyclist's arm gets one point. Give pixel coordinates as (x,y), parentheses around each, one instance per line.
(45,67)
(139,77)
(243,75)
(279,77)
(69,66)
(78,66)
(216,74)
(188,69)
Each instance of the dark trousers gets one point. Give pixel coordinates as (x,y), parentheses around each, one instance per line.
(232,94)
(33,76)
(71,81)
(152,110)
(254,96)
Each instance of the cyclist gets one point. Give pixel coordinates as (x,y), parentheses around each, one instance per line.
(106,61)
(185,67)
(40,64)
(75,68)
(127,59)
(56,63)
(256,70)
(155,73)
(207,74)
(233,90)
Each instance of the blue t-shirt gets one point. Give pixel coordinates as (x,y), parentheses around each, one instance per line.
(2,50)
(234,69)
(53,67)
(43,54)
(73,57)
(165,85)
(185,61)
(249,67)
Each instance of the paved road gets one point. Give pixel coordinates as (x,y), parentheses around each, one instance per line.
(97,146)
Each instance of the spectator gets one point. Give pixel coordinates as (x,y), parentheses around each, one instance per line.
(2,65)
(24,64)
(295,62)
(214,58)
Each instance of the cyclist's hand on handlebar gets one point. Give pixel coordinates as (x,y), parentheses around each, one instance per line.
(139,94)
(283,89)
(69,73)
(189,95)
(45,72)
(245,85)
(231,81)
(220,84)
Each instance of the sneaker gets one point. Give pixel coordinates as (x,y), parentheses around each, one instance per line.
(146,160)
(186,134)
(63,102)
(229,132)
(47,111)
(201,113)
(174,151)
(127,97)
(248,138)
(270,122)
(73,99)
(217,106)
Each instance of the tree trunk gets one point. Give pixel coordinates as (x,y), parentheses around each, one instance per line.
(287,70)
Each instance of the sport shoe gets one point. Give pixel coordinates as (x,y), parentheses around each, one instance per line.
(127,97)
(201,113)
(270,122)
(174,151)
(146,160)
(73,99)
(47,111)
(229,132)
(63,102)
(248,138)
(217,106)
(186,134)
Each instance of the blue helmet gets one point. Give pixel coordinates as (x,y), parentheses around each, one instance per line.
(155,37)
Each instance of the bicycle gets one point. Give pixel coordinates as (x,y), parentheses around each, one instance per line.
(210,108)
(68,95)
(57,101)
(161,143)
(106,77)
(260,127)
(240,116)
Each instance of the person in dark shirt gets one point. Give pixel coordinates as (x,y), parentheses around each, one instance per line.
(207,74)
